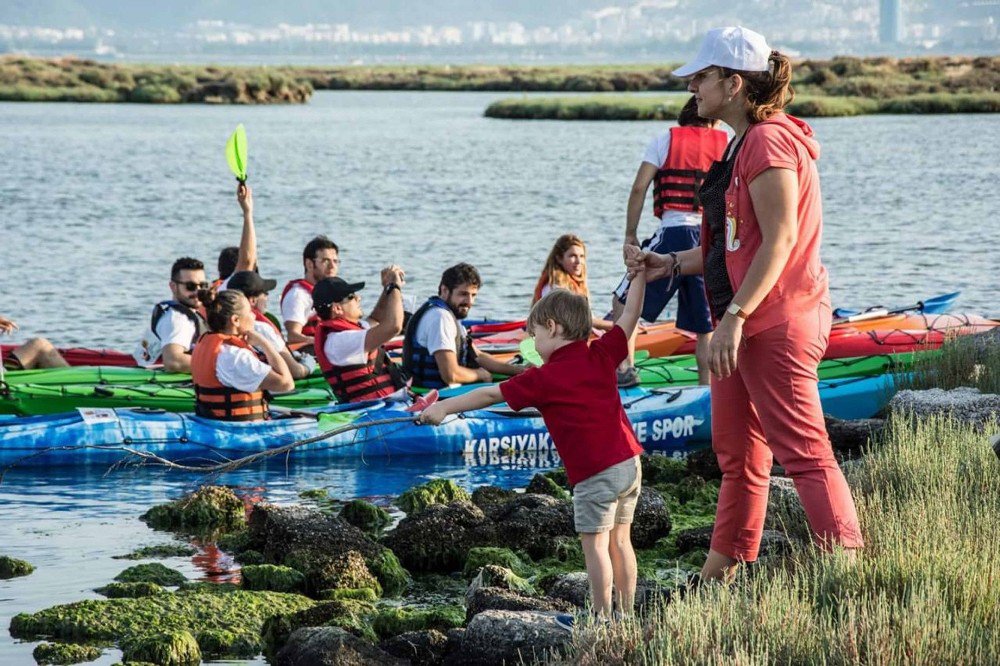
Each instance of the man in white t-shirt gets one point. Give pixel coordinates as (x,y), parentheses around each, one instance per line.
(256,289)
(320,259)
(176,324)
(437,351)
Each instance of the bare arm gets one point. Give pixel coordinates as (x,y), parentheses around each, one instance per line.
(453,373)
(247,258)
(293,330)
(279,379)
(390,306)
(636,294)
(298,370)
(478,399)
(636,200)
(499,367)
(176,358)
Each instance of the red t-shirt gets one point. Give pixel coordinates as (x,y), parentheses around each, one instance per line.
(783,142)
(576,392)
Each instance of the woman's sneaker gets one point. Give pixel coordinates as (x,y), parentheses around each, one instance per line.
(628,378)
(565,620)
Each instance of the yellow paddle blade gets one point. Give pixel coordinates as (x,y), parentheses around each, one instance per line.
(236,153)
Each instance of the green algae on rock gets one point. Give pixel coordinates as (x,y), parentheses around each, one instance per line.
(159,551)
(175,647)
(218,643)
(153,572)
(492,575)
(210,507)
(59,654)
(130,590)
(11,567)
(348,593)
(487,496)
(503,557)
(272,577)
(390,573)
(350,615)
(393,621)
(436,491)
(366,516)
(325,572)
(543,485)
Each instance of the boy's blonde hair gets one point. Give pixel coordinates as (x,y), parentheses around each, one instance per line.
(569,310)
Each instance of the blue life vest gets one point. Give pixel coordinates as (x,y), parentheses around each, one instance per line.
(419,362)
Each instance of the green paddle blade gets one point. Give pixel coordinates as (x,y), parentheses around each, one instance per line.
(236,153)
(334,420)
(528,352)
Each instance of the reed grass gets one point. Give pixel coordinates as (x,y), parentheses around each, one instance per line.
(923,591)
(968,360)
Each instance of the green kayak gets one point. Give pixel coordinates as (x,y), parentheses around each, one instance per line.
(117,376)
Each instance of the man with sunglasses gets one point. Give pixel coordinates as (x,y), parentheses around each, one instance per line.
(176,324)
(320,259)
(349,347)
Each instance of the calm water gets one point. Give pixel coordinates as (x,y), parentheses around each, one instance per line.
(97,201)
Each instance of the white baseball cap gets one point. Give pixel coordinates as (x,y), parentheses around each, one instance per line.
(734,47)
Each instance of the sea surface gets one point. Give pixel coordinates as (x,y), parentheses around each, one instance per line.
(96,201)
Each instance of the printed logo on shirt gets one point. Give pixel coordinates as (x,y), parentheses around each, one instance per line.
(732,242)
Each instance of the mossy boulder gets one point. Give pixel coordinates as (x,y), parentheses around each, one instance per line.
(64,653)
(350,594)
(272,577)
(207,587)
(394,621)
(543,485)
(439,538)
(495,576)
(651,521)
(502,557)
(437,491)
(219,643)
(325,572)
(159,551)
(130,590)
(367,517)
(278,531)
(487,496)
(658,469)
(532,524)
(559,476)
(418,647)
(350,615)
(154,572)
(11,567)
(210,507)
(390,573)
(167,648)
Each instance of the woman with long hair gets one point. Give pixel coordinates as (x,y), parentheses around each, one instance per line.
(769,297)
(229,377)
(566,268)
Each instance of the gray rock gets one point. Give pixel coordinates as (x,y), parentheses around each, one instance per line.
(650,592)
(652,519)
(774,543)
(495,598)
(967,405)
(512,637)
(851,436)
(439,537)
(571,587)
(696,537)
(331,646)
(277,531)
(533,523)
(419,647)
(784,509)
(703,463)
(487,496)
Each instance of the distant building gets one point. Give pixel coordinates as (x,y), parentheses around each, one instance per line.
(890,29)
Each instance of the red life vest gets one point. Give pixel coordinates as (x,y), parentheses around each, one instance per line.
(353,383)
(260,316)
(213,399)
(309,328)
(691,153)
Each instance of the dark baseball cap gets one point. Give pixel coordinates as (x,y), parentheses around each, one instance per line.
(333,290)
(249,282)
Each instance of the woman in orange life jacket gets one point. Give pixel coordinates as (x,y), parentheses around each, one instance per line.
(566,267)
(229,376)
(768,292)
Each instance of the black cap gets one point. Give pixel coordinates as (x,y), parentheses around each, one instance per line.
(249,282)
(333,290)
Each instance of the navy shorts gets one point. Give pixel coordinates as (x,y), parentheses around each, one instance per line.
(692,303)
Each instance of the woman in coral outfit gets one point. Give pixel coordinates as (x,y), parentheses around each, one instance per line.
(768,293)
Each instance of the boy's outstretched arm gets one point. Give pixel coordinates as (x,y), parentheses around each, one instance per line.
(482,397)
(636,293)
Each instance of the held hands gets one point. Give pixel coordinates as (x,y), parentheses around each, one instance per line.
(244,195)
(655,265)
(7,325)
(723,348)
(629,241)
(634,260)
(393,274)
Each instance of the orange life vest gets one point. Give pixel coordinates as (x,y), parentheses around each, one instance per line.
(362,381)
(309,328)
(213,399)
(578,287)
(691,153)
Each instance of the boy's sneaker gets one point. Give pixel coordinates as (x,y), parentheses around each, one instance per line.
(628,378)
(565,620)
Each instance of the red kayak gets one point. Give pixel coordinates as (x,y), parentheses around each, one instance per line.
(84,356)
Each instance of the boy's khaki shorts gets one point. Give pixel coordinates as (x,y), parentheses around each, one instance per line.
(607,498)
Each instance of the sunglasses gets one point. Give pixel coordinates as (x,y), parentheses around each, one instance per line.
(194,286)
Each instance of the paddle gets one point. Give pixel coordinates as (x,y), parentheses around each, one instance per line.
(936,304)
(236,153)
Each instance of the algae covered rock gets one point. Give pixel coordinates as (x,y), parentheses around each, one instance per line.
(325,572)
(393,621)
(64,653)
(495,598)
(571,587)
(533,523)
(272,577)
(651,521)
(437,491)
(166,648)
(218,643)
(502,557)
(367,517)
(210,507)
(331,646)
(486,496)
(277,531)
(503,578)
(559,476)
(159,551)
(390,573)
(347,593)
(657,469)
(352,616)
(154,573)
(440,537)
(11,567)
(512,637)
(130,590)
(543,485)
(418,647)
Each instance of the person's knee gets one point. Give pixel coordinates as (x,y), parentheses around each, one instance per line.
(38,346)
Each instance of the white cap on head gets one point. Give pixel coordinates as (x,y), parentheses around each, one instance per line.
(733,48)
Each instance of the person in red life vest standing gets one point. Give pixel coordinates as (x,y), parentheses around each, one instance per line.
(176,324)
(677,162)
(320,259)
(35,353)
(243,258)
(256,289)
(350,348)
(566,267)
(768,291)
(229,377)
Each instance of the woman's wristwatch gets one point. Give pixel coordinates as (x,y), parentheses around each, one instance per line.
(392,285)
(737,311)
(675,270)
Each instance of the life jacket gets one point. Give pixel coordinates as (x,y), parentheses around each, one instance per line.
(376,378)
(418,362)
(260,316)
(309,328)
(216,283)
(578,287)
(691,153)
(213,399)
(149,350)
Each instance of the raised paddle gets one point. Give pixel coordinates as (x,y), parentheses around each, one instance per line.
(935,305)
(236,153)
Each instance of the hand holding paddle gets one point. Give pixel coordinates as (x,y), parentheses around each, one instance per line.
(236,153)
(244,195)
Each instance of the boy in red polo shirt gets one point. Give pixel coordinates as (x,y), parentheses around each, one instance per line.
(576,391)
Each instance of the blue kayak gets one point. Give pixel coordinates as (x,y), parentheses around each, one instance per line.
(674,421)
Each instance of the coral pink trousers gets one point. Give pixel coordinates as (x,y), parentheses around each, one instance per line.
(769,409)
